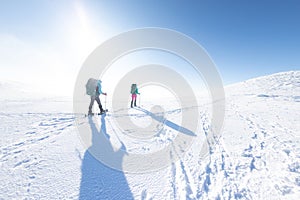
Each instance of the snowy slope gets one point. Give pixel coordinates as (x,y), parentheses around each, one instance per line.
(261,135)
(257,157)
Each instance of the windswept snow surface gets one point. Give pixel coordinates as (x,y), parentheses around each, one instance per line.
(256,157)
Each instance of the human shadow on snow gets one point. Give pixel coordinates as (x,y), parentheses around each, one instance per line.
(168,123)
(99,181)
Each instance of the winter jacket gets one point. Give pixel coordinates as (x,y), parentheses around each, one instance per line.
(136,91)
(99,88)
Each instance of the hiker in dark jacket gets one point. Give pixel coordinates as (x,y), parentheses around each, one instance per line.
(95,92)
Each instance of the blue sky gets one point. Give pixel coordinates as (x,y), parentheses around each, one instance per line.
(49,40)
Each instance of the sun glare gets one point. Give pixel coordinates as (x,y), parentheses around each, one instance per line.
(83,34)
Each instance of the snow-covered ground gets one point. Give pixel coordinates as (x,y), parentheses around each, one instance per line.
(257,156)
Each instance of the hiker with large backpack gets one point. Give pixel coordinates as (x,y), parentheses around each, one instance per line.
(94,89)
(134,91)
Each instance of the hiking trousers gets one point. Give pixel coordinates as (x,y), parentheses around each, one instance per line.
(97,99)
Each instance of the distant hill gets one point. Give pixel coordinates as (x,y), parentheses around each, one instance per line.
(276,85)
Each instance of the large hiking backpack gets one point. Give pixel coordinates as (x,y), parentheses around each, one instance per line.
(133,88)
(91,86)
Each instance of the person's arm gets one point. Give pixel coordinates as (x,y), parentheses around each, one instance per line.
(100,89)
(137,91)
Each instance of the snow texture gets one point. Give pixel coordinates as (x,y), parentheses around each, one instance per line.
(257,156)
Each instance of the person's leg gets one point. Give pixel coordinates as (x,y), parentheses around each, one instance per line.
(131,105)
(133,99)
(99,103)
(91,104)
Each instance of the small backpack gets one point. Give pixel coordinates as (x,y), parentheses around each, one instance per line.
(91,86)
(133,88)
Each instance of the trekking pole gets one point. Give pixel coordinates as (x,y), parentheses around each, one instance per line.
(140,101)
(105,102)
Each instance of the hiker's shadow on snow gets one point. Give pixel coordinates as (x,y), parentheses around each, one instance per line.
(99,181)
(168,123)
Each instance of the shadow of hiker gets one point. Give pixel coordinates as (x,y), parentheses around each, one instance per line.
(99,181)
(168,123)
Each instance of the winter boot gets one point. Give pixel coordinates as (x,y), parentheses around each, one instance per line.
(101,110)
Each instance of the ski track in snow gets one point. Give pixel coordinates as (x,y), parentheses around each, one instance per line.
(256,157)
(39,131)
(28,156)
